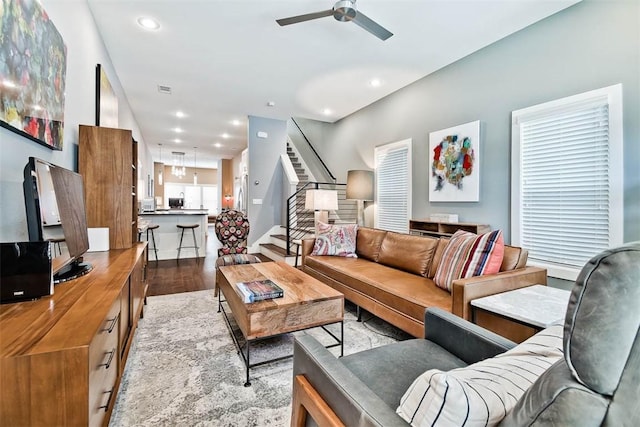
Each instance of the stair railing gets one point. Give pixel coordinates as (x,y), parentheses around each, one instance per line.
(300,221)
(326,168)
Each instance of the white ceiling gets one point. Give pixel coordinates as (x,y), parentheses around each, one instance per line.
(226,59)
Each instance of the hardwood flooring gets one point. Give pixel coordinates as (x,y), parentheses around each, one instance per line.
(187,275)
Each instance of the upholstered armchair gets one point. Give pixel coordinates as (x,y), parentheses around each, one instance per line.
(594,381)
(232,230)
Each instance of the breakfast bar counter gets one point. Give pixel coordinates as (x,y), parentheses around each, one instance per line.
(167,235)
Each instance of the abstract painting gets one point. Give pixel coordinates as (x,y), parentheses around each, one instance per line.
(455,164)
(33,66)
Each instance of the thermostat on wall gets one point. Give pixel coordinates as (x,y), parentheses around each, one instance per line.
(262,134)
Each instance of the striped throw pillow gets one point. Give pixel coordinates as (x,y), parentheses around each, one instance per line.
(469,255)
(480,394)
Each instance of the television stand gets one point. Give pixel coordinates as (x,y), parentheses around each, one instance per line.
(72,271)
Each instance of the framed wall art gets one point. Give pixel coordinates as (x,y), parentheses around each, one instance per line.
(455,164)
(106,101)
(33,66)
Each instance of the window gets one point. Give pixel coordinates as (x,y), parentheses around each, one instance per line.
(202,196)
(567,188)
(393,186)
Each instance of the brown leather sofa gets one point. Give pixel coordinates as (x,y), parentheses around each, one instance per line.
(392,277)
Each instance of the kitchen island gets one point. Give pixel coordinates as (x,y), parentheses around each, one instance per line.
(167,236)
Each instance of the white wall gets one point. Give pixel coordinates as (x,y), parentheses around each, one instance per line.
(265,174)
(85,50)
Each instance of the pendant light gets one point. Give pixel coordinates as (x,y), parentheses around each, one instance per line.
(195,167)
(178,169)
(160,172)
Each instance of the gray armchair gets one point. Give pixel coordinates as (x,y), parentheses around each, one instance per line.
(596,383)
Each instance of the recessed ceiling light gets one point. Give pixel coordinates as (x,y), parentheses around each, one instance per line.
(225,135)
(148,23)
(236,122)
(177,141)
(180,114)
(177,130)
(217,145)
(327,111)
(375,82)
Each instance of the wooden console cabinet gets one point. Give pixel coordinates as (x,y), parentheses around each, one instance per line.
(62,356)
(444,229)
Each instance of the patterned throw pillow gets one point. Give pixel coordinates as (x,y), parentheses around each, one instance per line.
(469,255)
(339,240)
(480,394)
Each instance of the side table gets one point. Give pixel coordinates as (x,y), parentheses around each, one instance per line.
(536,306)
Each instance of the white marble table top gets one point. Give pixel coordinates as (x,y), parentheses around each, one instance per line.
(537,305)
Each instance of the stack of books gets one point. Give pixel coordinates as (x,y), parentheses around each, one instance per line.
(259,290)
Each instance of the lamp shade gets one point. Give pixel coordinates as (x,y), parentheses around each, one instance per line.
(360,185)
(321,200)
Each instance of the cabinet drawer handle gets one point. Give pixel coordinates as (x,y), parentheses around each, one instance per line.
(113,324)
(106,405)
(111,354)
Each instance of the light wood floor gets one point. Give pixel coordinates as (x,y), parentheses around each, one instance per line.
(172,277)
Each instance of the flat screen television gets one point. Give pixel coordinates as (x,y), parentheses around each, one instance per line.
(54,202)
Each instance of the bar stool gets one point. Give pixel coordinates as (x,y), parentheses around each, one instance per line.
(153,239)
(195,242)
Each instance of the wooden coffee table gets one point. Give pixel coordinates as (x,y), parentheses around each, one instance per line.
(307,303)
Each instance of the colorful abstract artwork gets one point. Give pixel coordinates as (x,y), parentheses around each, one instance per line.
(33,65)
(455,164)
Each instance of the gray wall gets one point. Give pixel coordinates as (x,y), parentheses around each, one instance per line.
(265,169)
(590,45)
(85,49)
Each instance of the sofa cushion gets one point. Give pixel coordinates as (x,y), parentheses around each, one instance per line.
(407,252)
(437,256)
(368,243)
(468,255)
(483,393)
(339,240)
(390,369)
(407,293)
(514,257)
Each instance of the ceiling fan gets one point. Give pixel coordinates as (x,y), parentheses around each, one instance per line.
(343,11)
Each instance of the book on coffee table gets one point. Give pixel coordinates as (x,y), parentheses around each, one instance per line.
(259,290)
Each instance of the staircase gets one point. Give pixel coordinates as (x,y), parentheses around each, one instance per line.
(276,249)
(284,244)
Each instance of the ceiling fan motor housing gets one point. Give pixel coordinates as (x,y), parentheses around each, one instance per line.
(344,10)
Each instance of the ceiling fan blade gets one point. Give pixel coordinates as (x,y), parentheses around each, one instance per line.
(373,27)
(302,18)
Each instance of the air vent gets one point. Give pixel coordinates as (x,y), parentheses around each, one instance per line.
(164,89)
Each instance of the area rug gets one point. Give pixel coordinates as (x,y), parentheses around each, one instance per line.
(183,368)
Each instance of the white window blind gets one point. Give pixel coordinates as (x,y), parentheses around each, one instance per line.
(393,186)
(567,183)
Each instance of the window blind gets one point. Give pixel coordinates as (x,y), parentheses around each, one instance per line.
(566,181)
(393,186)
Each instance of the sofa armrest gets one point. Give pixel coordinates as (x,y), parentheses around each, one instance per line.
(465,290)
(462,338)
(307,248)
(347,396)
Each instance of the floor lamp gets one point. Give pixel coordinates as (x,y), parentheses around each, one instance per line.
(321,202)
(360,188)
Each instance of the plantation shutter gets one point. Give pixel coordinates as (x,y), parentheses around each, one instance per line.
(393,186)
(566,193)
